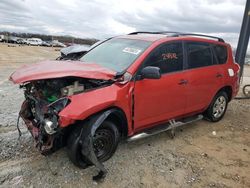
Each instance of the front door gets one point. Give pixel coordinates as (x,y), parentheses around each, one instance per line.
(158,100)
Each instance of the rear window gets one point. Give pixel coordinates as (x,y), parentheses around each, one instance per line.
(220,53)
(199,55)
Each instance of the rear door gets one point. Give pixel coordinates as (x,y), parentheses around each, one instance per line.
(161,99)
(205,75)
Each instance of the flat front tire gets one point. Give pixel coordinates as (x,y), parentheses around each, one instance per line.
(105,142)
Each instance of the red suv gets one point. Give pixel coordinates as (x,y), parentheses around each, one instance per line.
(129,87)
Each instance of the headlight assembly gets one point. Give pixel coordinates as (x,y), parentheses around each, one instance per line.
(59,104)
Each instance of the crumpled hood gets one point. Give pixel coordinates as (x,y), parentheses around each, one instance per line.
(58,69)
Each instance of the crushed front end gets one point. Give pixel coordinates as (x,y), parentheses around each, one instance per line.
(44,99)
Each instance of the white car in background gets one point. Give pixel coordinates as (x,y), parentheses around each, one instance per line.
(56,43)
(34,41)
(1,38)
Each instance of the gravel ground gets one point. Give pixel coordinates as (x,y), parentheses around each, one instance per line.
(202,154)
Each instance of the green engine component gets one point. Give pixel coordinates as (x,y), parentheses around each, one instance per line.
(52,98)
(49,96)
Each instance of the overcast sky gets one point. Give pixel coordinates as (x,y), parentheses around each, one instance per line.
(104,18)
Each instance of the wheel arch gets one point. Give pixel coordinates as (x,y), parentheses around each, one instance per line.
(86,134)
(228,90)
(117,116)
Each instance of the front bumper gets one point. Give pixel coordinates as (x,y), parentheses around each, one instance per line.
(48,143)
(44,142)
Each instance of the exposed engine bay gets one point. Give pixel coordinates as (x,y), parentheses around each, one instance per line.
(44,99)
(51,90)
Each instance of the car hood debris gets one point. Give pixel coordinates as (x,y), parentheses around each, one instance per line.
(75,49)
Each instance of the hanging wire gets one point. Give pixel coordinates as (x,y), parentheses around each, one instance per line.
(17,126)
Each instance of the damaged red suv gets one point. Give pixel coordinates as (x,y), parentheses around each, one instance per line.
(130,87)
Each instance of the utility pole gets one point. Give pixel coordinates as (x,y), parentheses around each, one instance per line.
(52,40)
(243,38)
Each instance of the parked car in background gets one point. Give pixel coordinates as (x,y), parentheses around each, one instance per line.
(4,38)
(46,43)
(12,39)
(1,38)
(34,41)
(56,43)
(21,41)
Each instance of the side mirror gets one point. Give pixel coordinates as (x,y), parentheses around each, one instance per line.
(151,72)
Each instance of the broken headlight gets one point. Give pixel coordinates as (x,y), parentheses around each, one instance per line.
(50,126)
(51,122)
(59,104)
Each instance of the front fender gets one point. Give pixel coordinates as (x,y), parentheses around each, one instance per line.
(86,104)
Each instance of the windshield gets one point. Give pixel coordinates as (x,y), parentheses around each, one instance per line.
(116,54)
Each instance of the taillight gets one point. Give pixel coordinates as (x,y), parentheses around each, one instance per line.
(237,70)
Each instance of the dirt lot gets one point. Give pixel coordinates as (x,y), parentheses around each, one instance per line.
(194,158)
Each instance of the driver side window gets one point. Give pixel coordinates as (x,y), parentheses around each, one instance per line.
(168,57)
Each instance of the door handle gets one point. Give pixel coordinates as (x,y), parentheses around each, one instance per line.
(183,82)
(219,75)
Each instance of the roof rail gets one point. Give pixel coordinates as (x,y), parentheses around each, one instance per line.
(198,35)
(177,34)
(149,32)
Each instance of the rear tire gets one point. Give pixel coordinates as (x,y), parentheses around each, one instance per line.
(105,143)
(217,108)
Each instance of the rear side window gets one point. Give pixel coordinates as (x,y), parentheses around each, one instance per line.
(220,53)
(199,55)
(168,57)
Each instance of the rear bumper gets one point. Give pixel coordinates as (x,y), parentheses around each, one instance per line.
(236,88)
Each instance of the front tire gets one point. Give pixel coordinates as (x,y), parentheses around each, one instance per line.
(217,108)
(105,142)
